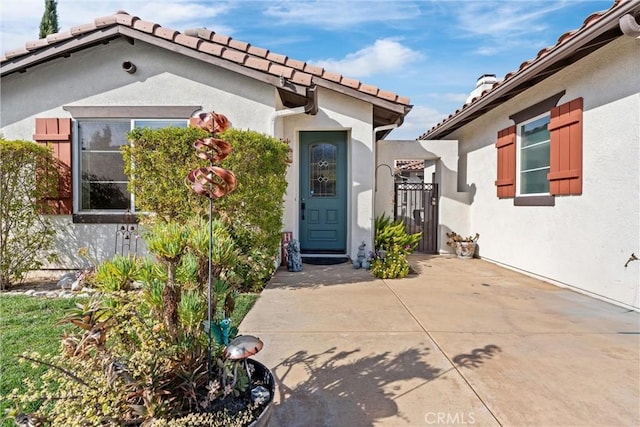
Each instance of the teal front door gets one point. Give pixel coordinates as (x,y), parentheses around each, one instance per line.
(323,192)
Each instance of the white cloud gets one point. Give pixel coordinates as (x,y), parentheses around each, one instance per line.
(341,14)
(419,120)
(458,98)
(503,26)
(385,56)
(501,19)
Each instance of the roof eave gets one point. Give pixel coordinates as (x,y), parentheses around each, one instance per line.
(542,67)
(388,108)
(61,49)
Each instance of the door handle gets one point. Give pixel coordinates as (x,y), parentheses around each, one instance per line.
(302,208)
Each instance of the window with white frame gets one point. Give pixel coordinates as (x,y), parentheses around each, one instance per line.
(533,156)
(101,184)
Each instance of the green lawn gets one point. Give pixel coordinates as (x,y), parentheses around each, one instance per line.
(28,324)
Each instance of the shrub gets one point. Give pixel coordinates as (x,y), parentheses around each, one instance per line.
(157,163)
(393,233)
(394,265)
(253,270)
(253,212)
(392,245)
(117,274)
(27,176)
(255,208)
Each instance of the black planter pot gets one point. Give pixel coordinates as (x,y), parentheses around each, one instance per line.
(263,376)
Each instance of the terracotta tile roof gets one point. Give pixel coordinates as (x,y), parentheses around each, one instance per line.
(217,45)
(409,165)
(618,8)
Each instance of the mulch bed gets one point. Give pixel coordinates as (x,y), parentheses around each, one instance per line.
(37,282)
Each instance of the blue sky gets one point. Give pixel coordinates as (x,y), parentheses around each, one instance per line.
(430,51)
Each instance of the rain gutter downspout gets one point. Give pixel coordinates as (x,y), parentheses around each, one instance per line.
(282,113)
(310,108)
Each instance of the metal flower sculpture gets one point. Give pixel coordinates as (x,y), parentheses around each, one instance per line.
(213,182)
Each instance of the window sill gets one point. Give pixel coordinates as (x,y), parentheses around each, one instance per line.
(114,218)
(534,201)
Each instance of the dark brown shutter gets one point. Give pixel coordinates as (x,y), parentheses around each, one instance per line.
(56,134)
(506,179)
(565,131)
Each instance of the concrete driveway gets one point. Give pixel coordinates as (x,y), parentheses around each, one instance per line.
(461,342)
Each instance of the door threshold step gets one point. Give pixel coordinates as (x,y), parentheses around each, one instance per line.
(325,260)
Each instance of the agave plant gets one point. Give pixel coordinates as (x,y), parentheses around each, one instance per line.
(117,274)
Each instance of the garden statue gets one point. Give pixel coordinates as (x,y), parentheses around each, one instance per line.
(361,261)
(294,260)
(222,331)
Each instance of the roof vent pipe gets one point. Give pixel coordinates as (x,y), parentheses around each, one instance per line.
(630,26)
(129,67)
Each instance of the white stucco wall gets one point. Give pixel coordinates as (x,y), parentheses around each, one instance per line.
(337,112)
(94,77)
(453,202)
(583,241)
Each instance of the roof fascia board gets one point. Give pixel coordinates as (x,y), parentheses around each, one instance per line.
(387,105)
(213,60)
(59,49)
(561,52)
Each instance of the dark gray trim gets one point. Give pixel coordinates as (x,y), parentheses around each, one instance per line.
(541,107)
(115,218)
(534,201)
(131,112)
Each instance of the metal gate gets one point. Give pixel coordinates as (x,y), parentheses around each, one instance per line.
(416,204)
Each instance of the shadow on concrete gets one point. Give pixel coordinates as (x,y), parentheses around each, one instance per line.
(320,275)
(342,388)
(477,357)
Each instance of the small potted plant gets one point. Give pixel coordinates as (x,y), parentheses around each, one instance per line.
(465,247)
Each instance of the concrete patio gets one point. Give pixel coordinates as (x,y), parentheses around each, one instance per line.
(461,342)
